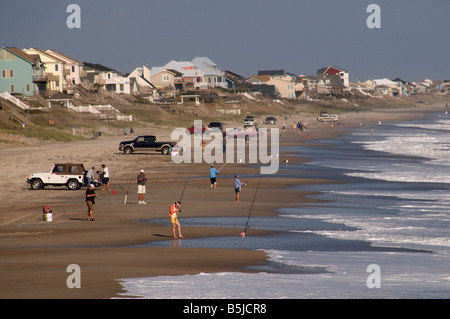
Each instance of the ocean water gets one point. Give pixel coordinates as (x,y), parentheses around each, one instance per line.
(390,209)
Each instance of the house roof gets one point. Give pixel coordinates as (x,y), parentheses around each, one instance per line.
(234,74)
(271,72)
(207,66)
(330,70)
(379,82)
(159,70)
(40,52)
(60,55)
(98,67)
(31,58)
(263,77)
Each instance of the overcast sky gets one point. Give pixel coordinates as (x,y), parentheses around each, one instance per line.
(243,36)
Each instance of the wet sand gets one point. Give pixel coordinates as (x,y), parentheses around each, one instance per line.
(35,254)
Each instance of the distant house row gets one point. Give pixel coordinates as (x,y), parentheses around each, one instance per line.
(34,71)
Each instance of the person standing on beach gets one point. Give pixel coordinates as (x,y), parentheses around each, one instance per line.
(90,201)
(90,176)
(212,175)
(237,187)
(141,179)
(173,213)
(105,179)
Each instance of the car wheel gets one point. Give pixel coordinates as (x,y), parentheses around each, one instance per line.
(165,150)
(128,150)
(36,184)
(73,184)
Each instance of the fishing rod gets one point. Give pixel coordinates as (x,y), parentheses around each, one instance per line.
(129,183)
(251,208)
(185,182)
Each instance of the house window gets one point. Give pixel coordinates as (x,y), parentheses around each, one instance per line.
(7,74)
(28,88)
(166,78)
(73,68)
(12,88)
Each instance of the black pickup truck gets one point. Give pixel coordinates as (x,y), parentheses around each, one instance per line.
(146,143)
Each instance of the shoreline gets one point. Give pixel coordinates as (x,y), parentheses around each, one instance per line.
(35,254)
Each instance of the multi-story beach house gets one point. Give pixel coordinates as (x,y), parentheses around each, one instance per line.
(140,81)
(332,70)
(54,70)
(212,77)
(200,73)
(21,72)
(107,78)
(283,82)
(73,69)
(191,77)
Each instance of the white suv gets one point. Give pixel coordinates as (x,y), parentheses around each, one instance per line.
(68,174)
(249,121)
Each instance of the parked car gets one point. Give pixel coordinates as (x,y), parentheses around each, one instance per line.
(197,129)
(328,118)
(239,133)
(146,143)
(270,120)
(213,125)
(72,175)
(249,121)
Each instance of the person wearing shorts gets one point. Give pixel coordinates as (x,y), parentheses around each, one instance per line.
(141,179)
(105,179)
(90,201)
(212,175)
(173,213)
(237,187)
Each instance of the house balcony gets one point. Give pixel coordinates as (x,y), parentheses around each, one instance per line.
(182,81)
(40,78)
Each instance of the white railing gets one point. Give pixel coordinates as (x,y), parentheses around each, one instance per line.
(84,109)
(16,101)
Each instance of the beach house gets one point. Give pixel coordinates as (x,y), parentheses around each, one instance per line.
(140,81)
(282,81)
(107,78)
(332,70)
(385,87)
(73,71)
(54,70)
(212,77)
(21,72)
(191,77)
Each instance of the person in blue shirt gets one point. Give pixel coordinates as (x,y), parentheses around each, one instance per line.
(212,175)
(237,186)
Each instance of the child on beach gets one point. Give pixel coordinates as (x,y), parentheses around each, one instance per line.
(237,187)
(173,213)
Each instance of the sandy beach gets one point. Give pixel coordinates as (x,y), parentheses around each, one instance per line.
(36,253)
